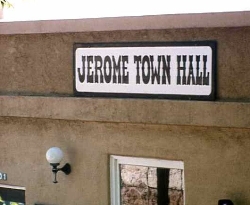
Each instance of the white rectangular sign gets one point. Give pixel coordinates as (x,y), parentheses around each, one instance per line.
(148,70)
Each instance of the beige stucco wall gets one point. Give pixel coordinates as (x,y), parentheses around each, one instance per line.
(41,64)
(38,110)
(216,162)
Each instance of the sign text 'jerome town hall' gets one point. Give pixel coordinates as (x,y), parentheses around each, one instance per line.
(157,70)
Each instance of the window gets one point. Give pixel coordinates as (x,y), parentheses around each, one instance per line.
(12,195)
(146,181)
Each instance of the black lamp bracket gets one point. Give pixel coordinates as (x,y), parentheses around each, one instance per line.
(66,169)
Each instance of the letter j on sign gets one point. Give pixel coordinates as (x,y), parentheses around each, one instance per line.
(161,70)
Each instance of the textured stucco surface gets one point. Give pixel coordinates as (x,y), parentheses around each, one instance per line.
(215,158)
(212,138)
(170,112)
(42,63)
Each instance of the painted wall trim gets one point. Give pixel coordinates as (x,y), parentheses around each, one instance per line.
(12,187)
(223,19)
(171,112)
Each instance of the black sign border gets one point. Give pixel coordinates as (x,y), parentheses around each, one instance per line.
(211,43)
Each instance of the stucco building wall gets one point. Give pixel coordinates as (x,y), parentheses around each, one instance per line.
(41,64)
(38,110)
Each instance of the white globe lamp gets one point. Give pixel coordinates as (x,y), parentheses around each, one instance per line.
(54,156)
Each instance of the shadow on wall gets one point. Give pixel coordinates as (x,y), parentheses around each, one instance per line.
(43,204)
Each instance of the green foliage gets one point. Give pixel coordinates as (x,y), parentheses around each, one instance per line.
(5,3)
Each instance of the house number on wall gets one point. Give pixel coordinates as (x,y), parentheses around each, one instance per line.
(3,176)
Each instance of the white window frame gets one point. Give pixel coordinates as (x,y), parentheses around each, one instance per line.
(12,187)
(115,162)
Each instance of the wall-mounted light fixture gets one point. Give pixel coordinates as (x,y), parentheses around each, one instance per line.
(54,156)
